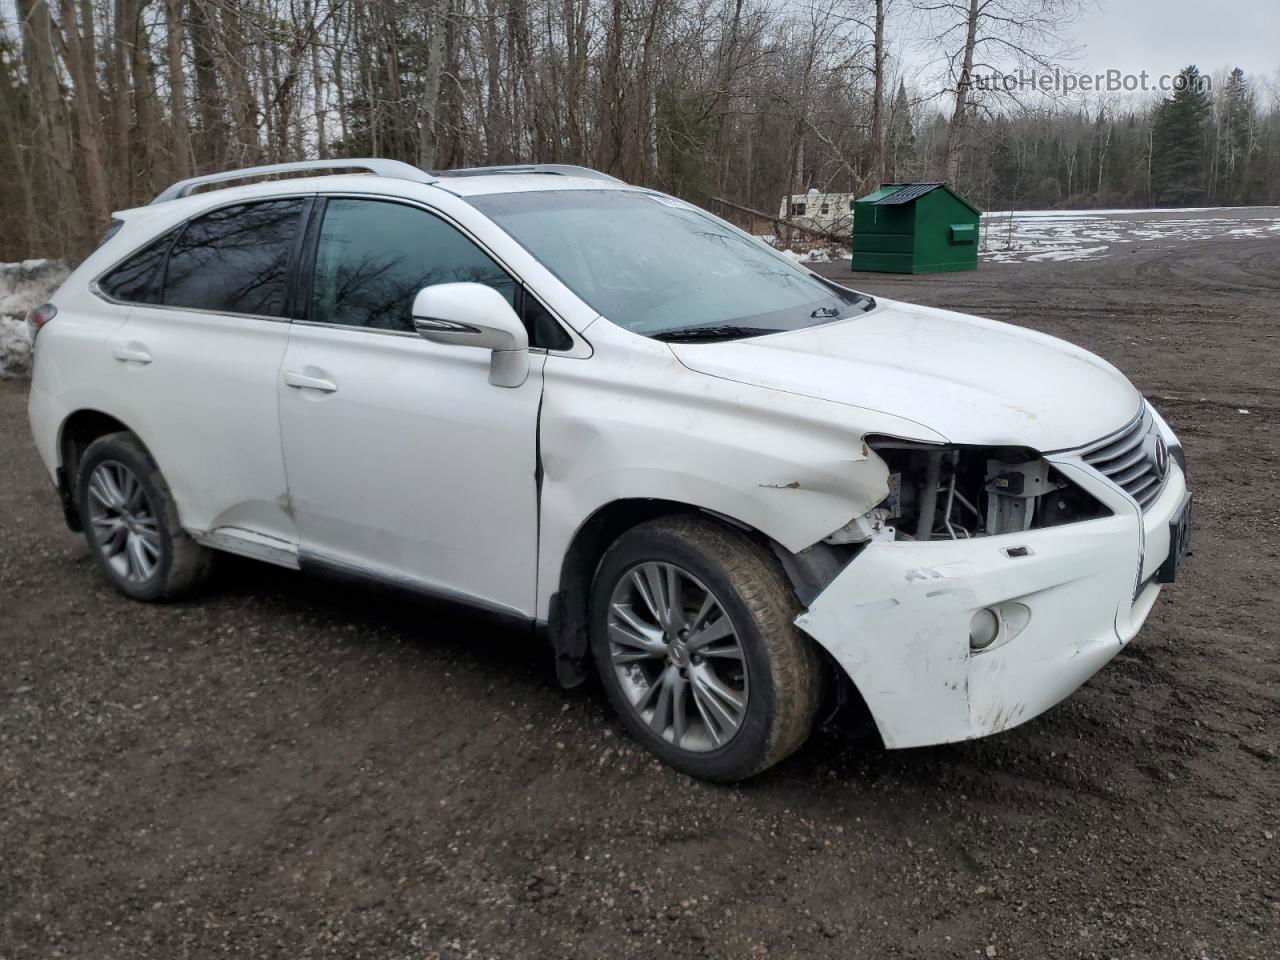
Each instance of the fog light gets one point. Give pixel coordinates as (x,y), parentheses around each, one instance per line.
(983,629)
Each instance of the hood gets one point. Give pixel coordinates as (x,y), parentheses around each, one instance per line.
(972,380)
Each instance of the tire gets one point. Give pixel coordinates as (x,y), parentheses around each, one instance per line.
(773,680)
(131,522)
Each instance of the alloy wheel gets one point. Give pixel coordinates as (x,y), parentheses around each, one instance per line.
(124,524)
(677,656)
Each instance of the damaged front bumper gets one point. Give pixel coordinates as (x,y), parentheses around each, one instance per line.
(897,618)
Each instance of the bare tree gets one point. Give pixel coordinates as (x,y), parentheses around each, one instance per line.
(977,37)
(727,102)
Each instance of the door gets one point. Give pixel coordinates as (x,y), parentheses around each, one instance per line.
(403,460)
(197,362)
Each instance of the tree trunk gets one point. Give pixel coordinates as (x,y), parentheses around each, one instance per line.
(211,141)
(429,106)
(121,102)
(611,101)
(318,91)
(496,142)
(85,102)
(955,129)
(181,131)
(144,100)
(875,166)
(235,71)
(51,137)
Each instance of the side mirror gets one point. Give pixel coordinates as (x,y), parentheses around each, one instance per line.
(474,315)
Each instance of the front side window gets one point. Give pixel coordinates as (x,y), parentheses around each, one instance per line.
(374,256)
(663,268)
(235,259)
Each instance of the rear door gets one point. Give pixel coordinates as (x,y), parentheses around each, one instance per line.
(404,462)
(197,363)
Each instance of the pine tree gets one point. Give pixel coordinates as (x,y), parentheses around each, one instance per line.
(1236,143)
(1006,186)
(1178,165)
(901,159)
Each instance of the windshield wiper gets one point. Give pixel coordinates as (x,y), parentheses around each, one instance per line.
(711,332)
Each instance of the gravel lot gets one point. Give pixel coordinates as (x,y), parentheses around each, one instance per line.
(286,767)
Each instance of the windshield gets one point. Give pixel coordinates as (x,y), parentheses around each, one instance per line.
(662,268)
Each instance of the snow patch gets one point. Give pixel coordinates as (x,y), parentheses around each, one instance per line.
(23,286)
(1041,236)
(819,255)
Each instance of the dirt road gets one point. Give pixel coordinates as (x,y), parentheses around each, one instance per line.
(288,768)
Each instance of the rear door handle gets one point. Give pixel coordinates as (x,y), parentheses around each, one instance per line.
(131,353)
(304,382)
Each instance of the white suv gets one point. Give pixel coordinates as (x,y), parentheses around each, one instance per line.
(742,490)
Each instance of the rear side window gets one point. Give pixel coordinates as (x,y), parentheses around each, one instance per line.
(137,280)
(373,257)
(235,259)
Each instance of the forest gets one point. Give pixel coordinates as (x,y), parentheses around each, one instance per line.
(728,103)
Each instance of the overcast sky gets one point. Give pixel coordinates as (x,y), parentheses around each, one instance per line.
(1162,36)
(1158,36)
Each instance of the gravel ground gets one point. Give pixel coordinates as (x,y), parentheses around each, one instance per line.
(284,767)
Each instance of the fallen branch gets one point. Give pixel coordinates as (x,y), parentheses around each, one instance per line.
(778,221)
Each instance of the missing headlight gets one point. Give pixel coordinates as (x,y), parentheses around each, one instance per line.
(955,492)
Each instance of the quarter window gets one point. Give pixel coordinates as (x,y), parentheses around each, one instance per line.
(235,259)
(137,279)
(373,257)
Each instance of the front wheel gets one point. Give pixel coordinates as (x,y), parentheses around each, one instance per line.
(693,637)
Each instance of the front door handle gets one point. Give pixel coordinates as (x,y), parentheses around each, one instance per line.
(131,353)
(304,382)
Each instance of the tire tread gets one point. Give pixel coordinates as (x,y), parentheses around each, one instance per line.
(189,562)
(757,577)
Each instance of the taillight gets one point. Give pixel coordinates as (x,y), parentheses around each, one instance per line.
(38,317)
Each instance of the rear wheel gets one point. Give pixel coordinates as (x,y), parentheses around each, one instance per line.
(693,637)
(131,522)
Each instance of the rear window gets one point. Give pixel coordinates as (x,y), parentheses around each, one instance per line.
(235,259)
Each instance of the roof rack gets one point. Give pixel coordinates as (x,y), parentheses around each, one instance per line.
(558,169)
(376,165)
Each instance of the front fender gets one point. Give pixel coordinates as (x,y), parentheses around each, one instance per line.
(645,427)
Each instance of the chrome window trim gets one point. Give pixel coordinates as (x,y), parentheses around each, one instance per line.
(133,305)
(355,328)
(95,286)
(409,334)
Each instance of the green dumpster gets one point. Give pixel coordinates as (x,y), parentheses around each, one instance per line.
(915,228)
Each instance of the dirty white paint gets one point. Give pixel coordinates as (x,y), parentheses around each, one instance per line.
(637,422)
(897,618)
(407,461)
(936,368)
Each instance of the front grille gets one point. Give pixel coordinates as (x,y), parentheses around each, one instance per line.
(1128,459)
